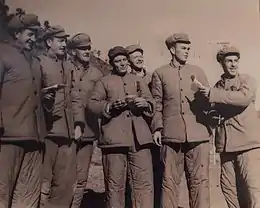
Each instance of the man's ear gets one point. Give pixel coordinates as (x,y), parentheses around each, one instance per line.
(17,34)
(48,42)
(73,52)
(172,50)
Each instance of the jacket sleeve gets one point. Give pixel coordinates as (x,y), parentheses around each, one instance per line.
(157,92)
(241,98)
(146,94)
(97,102)
(77,105)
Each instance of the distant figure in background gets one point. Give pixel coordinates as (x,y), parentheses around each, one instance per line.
(22,120)
(4,18)
(85,77)
(180,126)
(65,120)
(123,102)
(237,133)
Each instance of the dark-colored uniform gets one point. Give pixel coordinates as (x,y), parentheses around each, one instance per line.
(179,115)
(125,141)
(22,123)
(62,115)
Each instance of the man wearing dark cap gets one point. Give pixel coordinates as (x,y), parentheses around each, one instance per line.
(22,120)
(237,134)
(179,125)
(85,78)
(123,102)
(65,121)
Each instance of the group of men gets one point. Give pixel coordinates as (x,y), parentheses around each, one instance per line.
(53,108)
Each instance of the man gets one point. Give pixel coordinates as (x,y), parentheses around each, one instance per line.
(64,115)
(22,119)
(123,101)
(237,134)
(85,78)
(136,60)
(179,119)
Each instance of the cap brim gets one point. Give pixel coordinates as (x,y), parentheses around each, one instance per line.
(134,50)
(61,35)
(183,41)
(34,27)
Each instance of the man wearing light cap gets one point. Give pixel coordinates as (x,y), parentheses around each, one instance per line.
(123,102)
(85,78)
(237,134)
(64,118)
(179,125)
(136,60)
(22,120)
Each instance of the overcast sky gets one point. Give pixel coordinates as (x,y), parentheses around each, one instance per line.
(149,22)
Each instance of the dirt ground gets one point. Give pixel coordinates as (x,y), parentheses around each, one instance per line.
(94,196)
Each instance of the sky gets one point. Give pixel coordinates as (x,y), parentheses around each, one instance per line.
(149,22)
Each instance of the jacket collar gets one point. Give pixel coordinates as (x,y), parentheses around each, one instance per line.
(143,72)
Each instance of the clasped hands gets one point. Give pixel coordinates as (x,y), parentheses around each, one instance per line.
(137,102)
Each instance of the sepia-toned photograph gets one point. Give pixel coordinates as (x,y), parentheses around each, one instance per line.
(129,104)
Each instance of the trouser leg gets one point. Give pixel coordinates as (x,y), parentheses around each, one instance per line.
(84,155)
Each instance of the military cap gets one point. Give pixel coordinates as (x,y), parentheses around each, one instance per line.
(80,40)
(177,38)
(24,21)
(55,31)
(132,48)
(116,51)
(227,51)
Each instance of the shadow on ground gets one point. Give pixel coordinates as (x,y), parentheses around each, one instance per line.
(93,199)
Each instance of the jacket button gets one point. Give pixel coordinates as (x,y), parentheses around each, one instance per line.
(182,113)
(80,79)
(181,89)
(124,83)
(180,78)
(61,71)
(80,90)
(127,115)
(35,92)
(126,93)
(182,101)
(33,78)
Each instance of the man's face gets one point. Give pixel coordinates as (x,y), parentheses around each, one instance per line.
(181,51)
(230,65)
(82,54)
(120,63)
(137,60)
(58,45)
(26,38)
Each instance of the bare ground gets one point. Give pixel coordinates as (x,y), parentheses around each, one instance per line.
(94,196)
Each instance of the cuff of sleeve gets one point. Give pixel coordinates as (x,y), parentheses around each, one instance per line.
(80,124)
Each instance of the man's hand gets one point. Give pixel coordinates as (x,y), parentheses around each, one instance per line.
(140,102)
(49,96)
(204,91)
(118,105)
(157,138)
(78,133)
